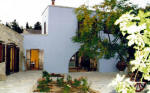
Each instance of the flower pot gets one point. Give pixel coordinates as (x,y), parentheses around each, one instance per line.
(121,65)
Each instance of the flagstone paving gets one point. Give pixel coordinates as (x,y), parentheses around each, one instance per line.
(98,81)
(25,82)
(21,82)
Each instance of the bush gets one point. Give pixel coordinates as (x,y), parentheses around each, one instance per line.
(60,82)
(43,86)
(67,88)
(76,83)
(85,86)
(69,79)
(46,76)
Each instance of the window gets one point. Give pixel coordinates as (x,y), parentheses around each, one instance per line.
(78,30)
(44,27)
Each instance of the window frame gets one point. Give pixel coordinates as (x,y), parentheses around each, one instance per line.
(45,28)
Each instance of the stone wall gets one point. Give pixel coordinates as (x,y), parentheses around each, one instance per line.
(2,71)
(8,36)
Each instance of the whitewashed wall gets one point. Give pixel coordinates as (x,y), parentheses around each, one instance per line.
(57,44)
(107,65)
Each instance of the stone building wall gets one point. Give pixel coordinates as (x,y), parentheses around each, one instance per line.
(2,71)
(9,36)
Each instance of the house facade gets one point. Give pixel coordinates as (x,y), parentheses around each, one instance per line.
(59,25)
(52,49)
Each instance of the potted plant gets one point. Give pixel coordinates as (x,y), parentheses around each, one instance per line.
(121,65)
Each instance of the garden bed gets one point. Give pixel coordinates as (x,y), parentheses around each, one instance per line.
(56,83)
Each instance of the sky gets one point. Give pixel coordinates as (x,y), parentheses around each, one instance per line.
(30,10)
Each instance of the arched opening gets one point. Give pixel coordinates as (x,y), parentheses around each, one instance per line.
(79,63)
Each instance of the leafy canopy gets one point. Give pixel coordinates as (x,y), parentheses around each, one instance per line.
(91,25)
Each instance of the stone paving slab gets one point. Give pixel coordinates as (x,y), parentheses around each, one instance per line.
(21,82)
(25,82)
(101,81)
(98,81)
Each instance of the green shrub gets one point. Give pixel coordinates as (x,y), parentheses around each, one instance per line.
(60,82)
(76,83)
(66,88)
(85,86)
(47,76)
(43,86)
(69,79)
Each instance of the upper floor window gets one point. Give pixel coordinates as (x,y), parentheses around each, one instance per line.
(44,27)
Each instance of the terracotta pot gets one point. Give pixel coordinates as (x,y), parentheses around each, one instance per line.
(121,65)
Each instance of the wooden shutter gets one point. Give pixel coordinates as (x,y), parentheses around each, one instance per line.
(3,53)
(16,60)
(1,47)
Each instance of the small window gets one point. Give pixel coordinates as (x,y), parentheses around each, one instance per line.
(44,27)
(78,29)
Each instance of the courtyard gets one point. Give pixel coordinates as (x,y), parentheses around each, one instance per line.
(25,82)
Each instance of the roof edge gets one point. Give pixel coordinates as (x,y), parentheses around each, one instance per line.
(56,6)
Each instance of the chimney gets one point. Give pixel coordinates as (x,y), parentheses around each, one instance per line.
(53,2)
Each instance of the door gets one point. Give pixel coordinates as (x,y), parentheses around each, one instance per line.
(16,59)
(12,59)
(34,59)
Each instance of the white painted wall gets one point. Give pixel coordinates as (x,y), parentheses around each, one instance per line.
(57,44)
(107,65)
(45,16)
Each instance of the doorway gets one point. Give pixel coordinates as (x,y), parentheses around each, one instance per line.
(12,59)
(34,62)
(34,59)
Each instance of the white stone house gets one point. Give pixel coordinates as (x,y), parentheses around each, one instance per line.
(59,25)
(53,50)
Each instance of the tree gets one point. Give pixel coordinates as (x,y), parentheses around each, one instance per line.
(27,26)
(37,26)
(8,25)
(91,24)
(15,27)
